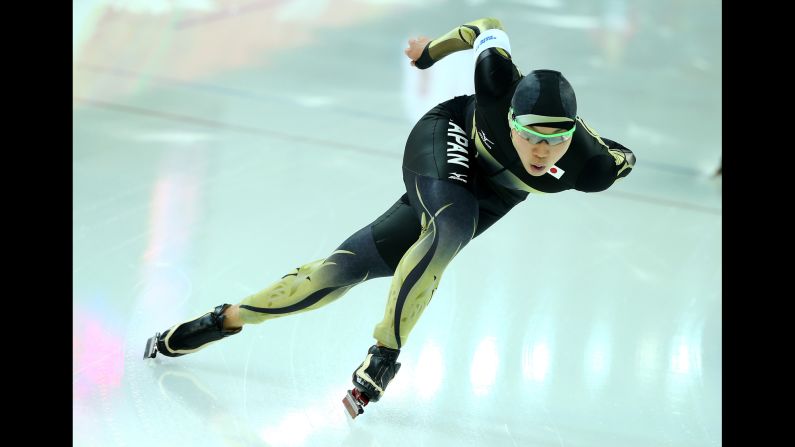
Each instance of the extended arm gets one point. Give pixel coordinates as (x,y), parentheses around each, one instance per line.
(494,68)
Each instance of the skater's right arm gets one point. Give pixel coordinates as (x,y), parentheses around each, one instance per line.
(424,52)
(494,68)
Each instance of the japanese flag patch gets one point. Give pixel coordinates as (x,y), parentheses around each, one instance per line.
(556,172)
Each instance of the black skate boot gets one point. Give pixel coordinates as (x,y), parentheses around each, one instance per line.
(371,378)
(188,337)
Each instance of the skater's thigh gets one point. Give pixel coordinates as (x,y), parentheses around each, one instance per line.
(395,231)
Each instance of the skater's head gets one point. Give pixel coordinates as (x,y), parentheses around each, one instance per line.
(542,119)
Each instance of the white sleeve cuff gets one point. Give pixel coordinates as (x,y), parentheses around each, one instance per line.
(493,38)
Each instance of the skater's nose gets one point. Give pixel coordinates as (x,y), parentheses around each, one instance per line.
(541,150)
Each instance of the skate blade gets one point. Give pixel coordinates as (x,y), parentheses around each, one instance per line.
(151,347)
(352,405)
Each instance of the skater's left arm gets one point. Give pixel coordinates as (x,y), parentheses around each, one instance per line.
(604,169)
(611,162)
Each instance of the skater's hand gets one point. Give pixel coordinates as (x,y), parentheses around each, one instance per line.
(414,51)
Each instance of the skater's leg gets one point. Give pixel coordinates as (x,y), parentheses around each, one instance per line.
(451,207)
(449,216)
(449,219)
(313,285)
(371,252)
(389,237)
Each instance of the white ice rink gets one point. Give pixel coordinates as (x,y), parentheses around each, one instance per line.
(219,144)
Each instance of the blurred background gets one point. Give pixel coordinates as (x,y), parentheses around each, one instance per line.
(219,144)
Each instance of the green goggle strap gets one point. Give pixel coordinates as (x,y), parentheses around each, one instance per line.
(521,128)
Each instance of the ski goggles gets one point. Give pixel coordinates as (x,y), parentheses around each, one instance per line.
(536,138)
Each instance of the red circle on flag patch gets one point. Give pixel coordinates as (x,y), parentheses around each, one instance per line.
(553,170)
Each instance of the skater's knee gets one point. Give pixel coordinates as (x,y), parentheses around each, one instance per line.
(361,256)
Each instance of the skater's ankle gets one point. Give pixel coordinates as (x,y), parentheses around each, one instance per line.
(232,318)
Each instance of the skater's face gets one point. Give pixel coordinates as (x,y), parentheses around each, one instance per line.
(537,158)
